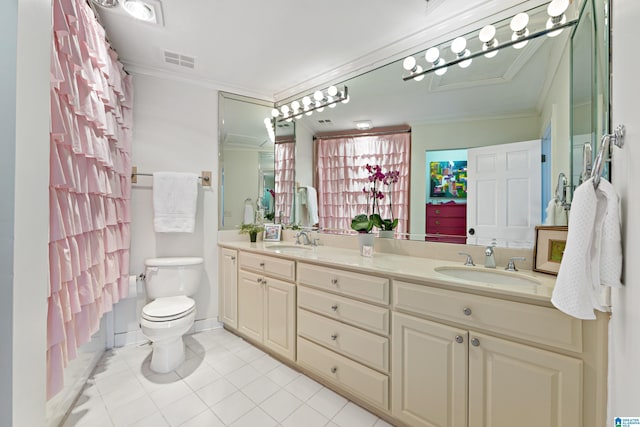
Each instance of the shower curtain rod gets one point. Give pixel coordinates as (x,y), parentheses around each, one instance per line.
(372,132)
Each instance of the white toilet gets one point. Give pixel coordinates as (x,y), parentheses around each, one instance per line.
(169,282)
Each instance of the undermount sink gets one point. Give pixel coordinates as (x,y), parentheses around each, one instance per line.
(277,248)
(496,277)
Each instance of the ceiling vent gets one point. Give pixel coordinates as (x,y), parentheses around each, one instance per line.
(325,122)
(180,60)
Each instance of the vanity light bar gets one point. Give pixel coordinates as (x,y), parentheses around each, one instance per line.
(316,101)
(419,75)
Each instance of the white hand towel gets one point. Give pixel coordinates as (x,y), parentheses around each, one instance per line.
(312,205)
(175,198)
(555,213)
(249,215)
(581,285)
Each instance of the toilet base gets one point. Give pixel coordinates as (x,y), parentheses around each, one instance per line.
(167,355)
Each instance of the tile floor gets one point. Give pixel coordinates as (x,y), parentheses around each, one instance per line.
(225,381)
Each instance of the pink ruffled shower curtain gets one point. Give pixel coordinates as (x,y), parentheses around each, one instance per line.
(284,171)
(89,184)
(342,176)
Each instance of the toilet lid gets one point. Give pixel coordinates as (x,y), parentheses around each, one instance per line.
(169,308)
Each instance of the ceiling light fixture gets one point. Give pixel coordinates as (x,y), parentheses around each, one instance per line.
(363,124)
(106,3)
(310,103)
(557,17)
(146,11)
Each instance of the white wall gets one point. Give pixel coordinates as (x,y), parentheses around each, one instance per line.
(175,129)
(625,322)
(460,134)
(24,172)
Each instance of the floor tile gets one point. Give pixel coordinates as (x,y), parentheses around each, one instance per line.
(303,387)
(305,416)
(204,419)
(354,416)
(89,415)
(327,402)
(199,377)
(115,382)
(260,389)
(155,420)
(265,364)
(170,393)
(243,376)
(282,375)
(280,405)
(232,407)
(183,409)
(228,364)
(382,423)
(254,418)
(216,391)
(250,354)
(133,411)
(130,391)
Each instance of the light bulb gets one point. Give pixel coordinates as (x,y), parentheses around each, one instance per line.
(275,112)
(441,71)
(289,120)
(418,71)
(432,54)
(520,45)
(332,91)
(318,95)
(554,22)
(306,101)
(285,110)
(320,109)
(346,100)
(307,110)
(295,105)
(519,27)
(330,102)
(409,63)
(487,37)
(267,121)
(557,7)
(459,45)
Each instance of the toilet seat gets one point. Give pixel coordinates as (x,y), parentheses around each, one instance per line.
(168,308)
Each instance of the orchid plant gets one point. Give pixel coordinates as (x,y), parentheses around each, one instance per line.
(363,223)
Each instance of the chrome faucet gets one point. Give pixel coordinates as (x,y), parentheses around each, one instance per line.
(511,266)
(305,236)
(489,257)
(469,261)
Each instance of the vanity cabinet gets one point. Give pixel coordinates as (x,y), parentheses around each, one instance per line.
(342,339)
(228,288)
(266,304)
(445,364)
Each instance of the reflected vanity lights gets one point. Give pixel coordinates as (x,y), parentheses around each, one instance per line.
(520,36)
(310,103)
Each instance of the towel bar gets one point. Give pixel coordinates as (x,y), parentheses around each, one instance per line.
(205,176)
(603,154)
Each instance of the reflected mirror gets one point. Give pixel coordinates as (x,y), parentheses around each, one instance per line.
(518,95)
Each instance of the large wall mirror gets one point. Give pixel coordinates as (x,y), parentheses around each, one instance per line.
(518,95)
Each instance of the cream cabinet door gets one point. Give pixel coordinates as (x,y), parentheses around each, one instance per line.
(228,287)
(279,317)
(250,305)
(513,384)
(429,373)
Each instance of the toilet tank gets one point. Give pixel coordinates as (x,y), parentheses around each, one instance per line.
(168,277)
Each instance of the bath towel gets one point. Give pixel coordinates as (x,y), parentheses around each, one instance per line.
(312,205)
(175,198)
(592,260)
(556,213)
(248,216)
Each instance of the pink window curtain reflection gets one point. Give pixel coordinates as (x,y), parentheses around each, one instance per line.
(284,176)
(89,183)
(342,176)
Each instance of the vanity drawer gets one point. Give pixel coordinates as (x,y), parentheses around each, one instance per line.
(363,286)
(272,266)
(524,321)
(363,315)
(355,378)
(445,223)
(365,347)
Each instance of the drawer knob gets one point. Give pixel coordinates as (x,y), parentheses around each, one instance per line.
(437,211)
(475,342)
(233,258)
(262,264)
(466,311)
(334,282)
(437,222)
(334,307)
(334,369)
(334,337)
(459,339)
(259,280)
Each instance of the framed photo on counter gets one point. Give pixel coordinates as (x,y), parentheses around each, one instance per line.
(549,248)
(272,232)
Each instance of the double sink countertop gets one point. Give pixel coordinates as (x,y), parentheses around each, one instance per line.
(523,285)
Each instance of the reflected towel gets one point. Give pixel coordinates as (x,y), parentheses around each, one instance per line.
(312,205)
(175,197)
(249,214)
(556,214)
(592,259)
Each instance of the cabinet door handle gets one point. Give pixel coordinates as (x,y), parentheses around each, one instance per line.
(334,369)
(459,339)
(334,282)
(259,280)
(334,337)
(466,311)
(233,258)
(475,342)
(262,264)
(334,307)
(264,281)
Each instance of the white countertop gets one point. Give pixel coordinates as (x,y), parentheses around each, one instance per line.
(413,269)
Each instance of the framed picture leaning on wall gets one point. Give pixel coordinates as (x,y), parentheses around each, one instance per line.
(549,248)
